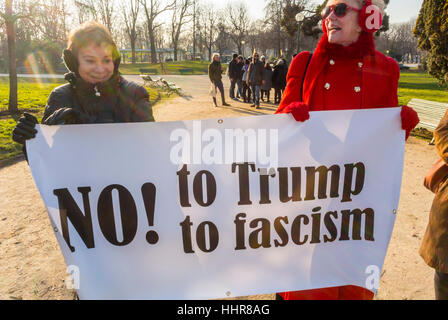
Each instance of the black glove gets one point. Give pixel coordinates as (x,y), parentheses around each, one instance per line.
(25,128)
(67,116)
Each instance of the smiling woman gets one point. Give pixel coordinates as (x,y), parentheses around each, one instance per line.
(345,72)
(96,93)
(95,63)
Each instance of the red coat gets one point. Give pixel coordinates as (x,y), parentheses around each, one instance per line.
(337,78)
(360,78)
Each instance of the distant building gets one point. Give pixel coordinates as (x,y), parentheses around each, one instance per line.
(143,55)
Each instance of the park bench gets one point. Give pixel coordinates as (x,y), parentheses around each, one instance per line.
(403,67)
(146,71)
(429,112)
(186,70)
(160,83)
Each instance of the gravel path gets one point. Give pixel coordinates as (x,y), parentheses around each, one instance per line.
(32,266)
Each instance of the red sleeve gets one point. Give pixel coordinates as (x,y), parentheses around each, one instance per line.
(409,117)
(294,81)
(395,69)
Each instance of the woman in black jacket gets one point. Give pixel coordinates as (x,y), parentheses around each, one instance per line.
(96,93)
(279,79)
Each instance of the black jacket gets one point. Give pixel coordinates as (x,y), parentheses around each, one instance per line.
(117,100)
(240,70)
(279,77)
(234,69)
(215,71)
(255,73)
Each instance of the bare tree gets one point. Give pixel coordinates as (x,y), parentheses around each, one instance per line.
(257,38)
(223,40)
(399,41)
(10,19)
(102,10)
(106,12)
(239,21)
(210,26)
(180,17)
(290,24)
(273,16)
(50,19)
(196,9)
(153,9)
(130,15)
(85,11)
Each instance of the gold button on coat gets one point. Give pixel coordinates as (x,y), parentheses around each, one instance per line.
(357,89)
(327,86)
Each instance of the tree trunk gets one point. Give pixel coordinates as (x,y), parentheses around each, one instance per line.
(194,31)
(152,41)
(292,47)
(11,36)
(175,51)
(278,41)
(133,50)
(210,52)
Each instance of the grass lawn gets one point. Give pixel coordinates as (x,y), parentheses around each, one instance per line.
(198,67)
(421,86)
(32,98)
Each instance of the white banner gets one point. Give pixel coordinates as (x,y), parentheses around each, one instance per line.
(315,209)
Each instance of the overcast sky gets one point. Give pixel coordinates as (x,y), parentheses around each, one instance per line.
(398,10)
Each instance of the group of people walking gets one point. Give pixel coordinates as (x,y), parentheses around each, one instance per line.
(252,78)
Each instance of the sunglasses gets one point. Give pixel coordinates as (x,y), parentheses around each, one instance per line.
(340,10)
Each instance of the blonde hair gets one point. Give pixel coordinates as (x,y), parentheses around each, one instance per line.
(91,32)
(216,54)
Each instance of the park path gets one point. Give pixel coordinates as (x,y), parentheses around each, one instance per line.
(32,266)
(197,104)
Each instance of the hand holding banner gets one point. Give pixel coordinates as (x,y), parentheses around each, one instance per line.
(174,210)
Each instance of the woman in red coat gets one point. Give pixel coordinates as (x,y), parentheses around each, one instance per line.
(344,72)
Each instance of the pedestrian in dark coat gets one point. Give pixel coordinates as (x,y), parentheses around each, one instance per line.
(246,87)
(434,247)
(96,93)
(279,79)
(267,82)
(239,81)
(215,75)
(234,73)
(255,78)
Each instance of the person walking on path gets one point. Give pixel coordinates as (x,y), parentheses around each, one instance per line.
(234,73)
(95,92)
(279,80)
(215,75)
(239,80)
(267,82)
(255,79)
(434,247)
(246,88)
